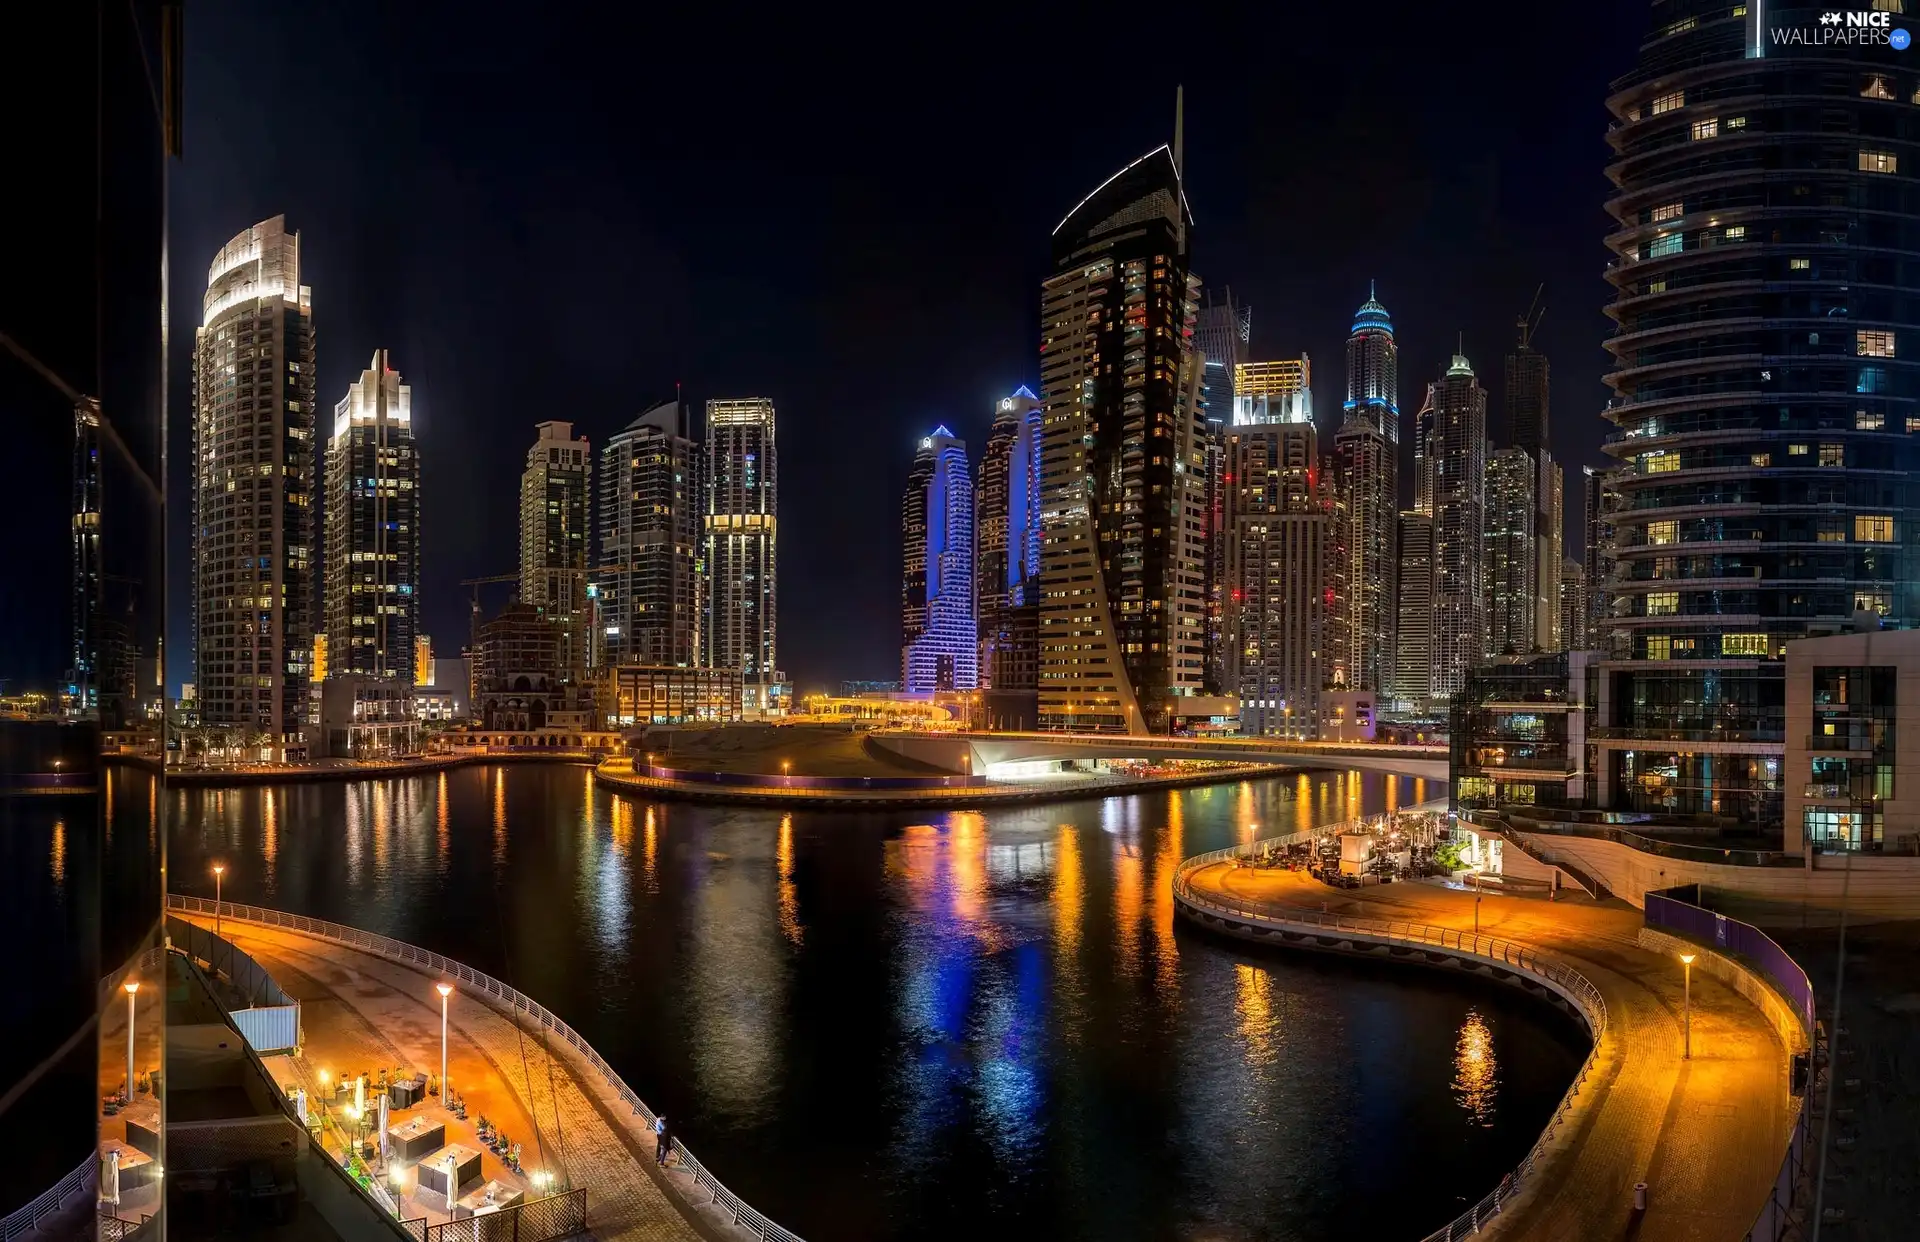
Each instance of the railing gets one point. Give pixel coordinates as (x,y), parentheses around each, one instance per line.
(52,1199)
(396,950)
(1669,849)
(530,1220)
(1679,910)
(1570,983)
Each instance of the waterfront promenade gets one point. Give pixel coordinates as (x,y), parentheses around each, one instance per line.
(360,1011)
(1707,1135)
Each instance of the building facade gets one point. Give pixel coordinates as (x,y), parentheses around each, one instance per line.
(372,514)
(1458,461)
(1573,605)
(254,562)
(555,539)
(1599,501)
(644,694)
(1511,565)
(1367,456)
(649,591)
(1413,646)
(742,545)
(939,639)
(1276,537)
(1766,400)
(1123,511)
(1007,551)
(1273,392)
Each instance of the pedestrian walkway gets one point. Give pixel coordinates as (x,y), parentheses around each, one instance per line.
(360,1011)
(1707,1135)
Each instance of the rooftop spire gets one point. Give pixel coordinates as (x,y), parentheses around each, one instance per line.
(1179,132)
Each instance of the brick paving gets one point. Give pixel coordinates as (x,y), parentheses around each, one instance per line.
(361,1011)
(1707,1135)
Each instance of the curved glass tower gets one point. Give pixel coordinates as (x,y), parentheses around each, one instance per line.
(940,641)
(1765,416)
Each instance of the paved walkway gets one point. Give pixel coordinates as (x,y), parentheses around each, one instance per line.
(1707,1135)
(360,1012)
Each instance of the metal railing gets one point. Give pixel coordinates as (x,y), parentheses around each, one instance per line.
(1494,950)
(744,1215)
(26,1219)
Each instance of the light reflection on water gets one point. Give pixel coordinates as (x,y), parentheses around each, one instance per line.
(929,1025)
(1476,1072)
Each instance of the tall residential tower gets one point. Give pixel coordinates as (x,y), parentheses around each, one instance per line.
(372,598)
(1367,461)
(650,518)
(1458,459)
(743,492)
(1007,562)
(939,639)
(1123,511)
(555,500)
(253,488)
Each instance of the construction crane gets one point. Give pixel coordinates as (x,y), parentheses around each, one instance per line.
(473,623)
(1529,323)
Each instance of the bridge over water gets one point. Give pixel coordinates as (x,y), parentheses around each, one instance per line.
(981,752)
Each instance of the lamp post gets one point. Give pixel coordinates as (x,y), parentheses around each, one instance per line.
(132,986)
(786,771)
(446,990)
(1686,1053)
(219,870)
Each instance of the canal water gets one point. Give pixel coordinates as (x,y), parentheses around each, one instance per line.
(931,1025)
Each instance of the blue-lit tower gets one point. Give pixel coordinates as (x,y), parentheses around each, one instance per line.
(1367,471)
(939,638)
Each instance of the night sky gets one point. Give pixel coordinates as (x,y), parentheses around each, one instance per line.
(548,216)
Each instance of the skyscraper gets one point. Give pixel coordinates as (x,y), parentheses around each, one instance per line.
(372,597)
(1764,406)
(1222,332)
(939,640)
(1007,560)
(650,519)
(89,575)
(1510,554)
(1458,460)
(1528,390)
(1276,544)
(1367,453)
(1573,605)
(1123,562)
(555,499)
(1549,542)
(1527,393)
(1413,647)
(1422,453)
(1601,498)
(253,488)
(742,529)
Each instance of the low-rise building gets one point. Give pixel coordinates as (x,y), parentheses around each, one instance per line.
(638,694)
(1519,733)
(1852,773)
(366,717)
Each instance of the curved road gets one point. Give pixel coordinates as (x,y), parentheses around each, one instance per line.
(1707,1135)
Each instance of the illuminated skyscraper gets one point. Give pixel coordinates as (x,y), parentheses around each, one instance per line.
(89,576)
(1367,455)
(1602,497)
(1273,392)
(1413,645)
(1276,544)
(1510,553)
(1007,558)
(1123,559)
(1573,605)
(742,496)
(1528,390)
(555,500)
(254,567)
(940,643)
(1222,332)
(372,598)
(651,519)
(1458,460)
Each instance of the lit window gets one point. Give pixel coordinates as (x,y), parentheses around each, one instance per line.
(1669,211)
(1799,265)
(1876,161)
(1873,601)
(1876,88)
(1663,532)
(1743,644)
(1830,530)
(1659,647)
(1873,343)
(1761,459)
(1734,122)
(1663,603)
(1670,243)
(1868,420)
(1913,425)
(1735,232)
(1709,128)
(1656,286)
(1739,10)
(1667,103)
(1873,528)
(1796,450)
(1833,455)
(1660,463)
(1684,24)
(1872,379)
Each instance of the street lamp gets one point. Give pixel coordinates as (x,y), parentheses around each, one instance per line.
(132,986)
(446,990)
(1686,1054)
(786,770)
(219,870)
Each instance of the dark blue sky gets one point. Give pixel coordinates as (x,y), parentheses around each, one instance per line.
(547,215)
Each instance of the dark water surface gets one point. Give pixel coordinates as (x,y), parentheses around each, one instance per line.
(938,1025)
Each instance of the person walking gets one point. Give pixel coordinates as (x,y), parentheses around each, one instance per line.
(662,1141)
